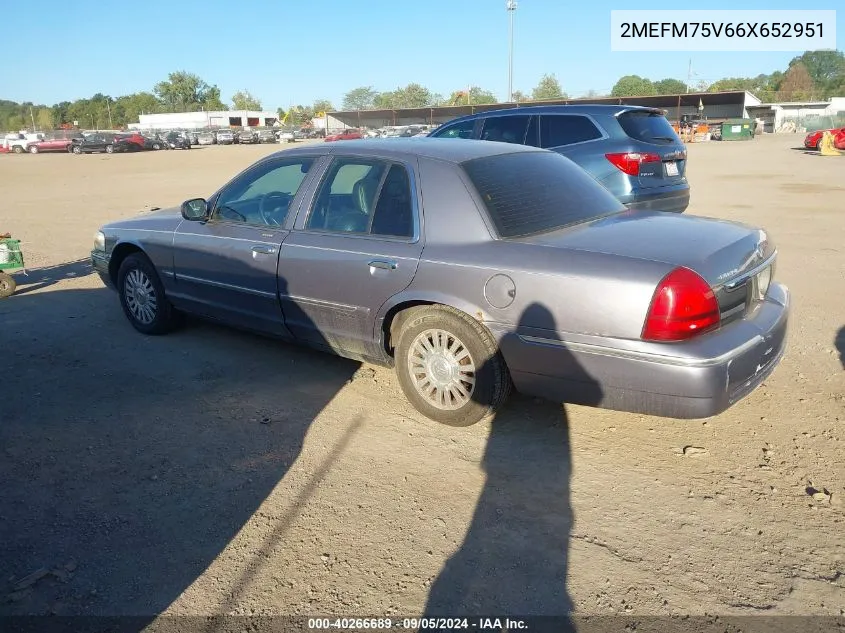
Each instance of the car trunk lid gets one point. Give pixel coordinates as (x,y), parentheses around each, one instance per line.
(731,257)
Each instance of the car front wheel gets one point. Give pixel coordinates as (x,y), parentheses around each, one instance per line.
(76,149)
(449,367)
(109,149)
(142,297)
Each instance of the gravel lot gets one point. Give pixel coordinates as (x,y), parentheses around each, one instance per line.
(213,471)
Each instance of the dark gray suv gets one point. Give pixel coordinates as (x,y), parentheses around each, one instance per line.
(633,151)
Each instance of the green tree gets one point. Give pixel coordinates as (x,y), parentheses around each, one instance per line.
(797,84)
(134,105)
(633,86)
(44,119)
(243,100)
(669,86)
(473,96)
(548,88)
(186,92)
(362,98)
(411,96)
(826,68)
(322,105)
(519,96)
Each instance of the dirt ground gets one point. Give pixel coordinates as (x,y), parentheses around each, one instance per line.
(213,471)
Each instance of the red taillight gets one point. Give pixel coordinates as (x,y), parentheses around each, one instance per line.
(629,162)
(683,306)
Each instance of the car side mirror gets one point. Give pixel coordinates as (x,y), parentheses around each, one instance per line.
(195,210)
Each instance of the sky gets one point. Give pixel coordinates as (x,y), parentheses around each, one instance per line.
(289,52)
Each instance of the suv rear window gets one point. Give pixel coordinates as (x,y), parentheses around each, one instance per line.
(526,193)
(649,127)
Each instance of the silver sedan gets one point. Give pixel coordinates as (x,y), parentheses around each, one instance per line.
(471,268)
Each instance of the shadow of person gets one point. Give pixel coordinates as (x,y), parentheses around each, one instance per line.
(839,342)
(514,557)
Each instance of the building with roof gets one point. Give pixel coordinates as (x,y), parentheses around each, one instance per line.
(714,106)
(206,119)
(792,115)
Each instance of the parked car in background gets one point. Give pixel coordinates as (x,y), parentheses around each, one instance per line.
(177,140)
(286,136)
(345,135)
(92,143)
(525,273)
(193,137)
(49,145)
(206,138)
(632,151)
(20,143)
(813,139)
(247,137)
(225,137)
(133,142)
(266,136)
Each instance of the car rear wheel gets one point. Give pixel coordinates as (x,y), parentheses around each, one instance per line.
(33,149)
(449,367)
(142,297)
(7,285)
(76,149)
(18,149)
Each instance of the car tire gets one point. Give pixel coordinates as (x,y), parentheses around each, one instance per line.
(7,285)
(76,149)
(142,297)
(109,149)
(33,149)
(18,149)
(442,339)
(156,146)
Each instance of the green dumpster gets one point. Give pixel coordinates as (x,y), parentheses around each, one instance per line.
(738,130)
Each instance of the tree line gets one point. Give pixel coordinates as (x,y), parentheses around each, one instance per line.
(813,75)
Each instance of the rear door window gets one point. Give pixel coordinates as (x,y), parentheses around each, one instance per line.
(565,129)
(505,129)
(526,193)
(649,127)
(462,129)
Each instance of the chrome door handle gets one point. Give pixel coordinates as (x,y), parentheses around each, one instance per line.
(264,250)
(383,263)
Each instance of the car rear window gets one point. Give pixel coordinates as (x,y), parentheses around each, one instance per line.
(526,193)
(650,127)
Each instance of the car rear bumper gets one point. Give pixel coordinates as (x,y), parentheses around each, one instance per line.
(674,199)
(695,379)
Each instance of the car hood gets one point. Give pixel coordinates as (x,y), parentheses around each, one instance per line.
(718,250)
(156,220)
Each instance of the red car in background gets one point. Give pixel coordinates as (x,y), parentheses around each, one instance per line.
(346,135)
(839,139)
(49,145)
(814,139)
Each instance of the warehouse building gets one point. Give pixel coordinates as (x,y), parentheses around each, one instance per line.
(794,116)
(200,120)
(714,106)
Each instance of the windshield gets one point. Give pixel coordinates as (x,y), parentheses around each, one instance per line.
(526,193)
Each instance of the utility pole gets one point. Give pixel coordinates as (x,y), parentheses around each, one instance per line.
(32,118)
(108,106)
(689,75)
(511,8)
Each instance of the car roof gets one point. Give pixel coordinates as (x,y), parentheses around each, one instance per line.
(585,108)
(454,150)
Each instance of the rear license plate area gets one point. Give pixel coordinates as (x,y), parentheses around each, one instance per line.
(671,168)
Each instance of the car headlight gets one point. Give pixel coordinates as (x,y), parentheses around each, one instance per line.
(764,280)
(100,241)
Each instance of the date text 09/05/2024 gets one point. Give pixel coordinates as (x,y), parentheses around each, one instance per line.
(417,624)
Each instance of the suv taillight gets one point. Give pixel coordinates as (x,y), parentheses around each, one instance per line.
(683,306)
(629,162)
